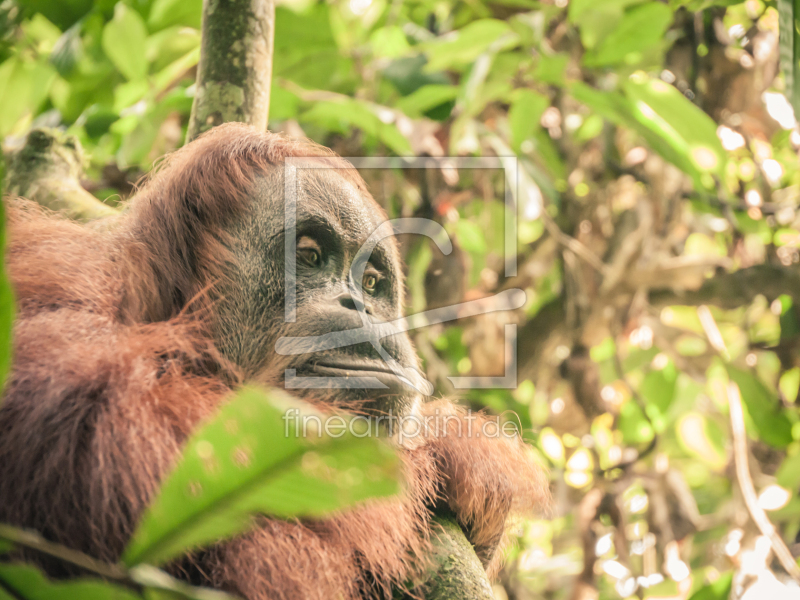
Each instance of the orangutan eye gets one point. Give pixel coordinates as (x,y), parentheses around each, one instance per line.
(370,282)
(309,252)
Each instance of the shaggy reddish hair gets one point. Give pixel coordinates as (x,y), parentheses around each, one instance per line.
(114,368)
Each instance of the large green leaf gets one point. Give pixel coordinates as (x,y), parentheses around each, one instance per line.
(461,47)
(772,425)
(641,29)
(620,110)
(124,42)
(675,128)
(689,122)
(524,115)
(254,458)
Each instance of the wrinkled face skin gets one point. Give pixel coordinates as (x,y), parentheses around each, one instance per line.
(334,220)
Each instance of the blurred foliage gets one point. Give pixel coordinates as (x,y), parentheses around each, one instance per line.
(658,173)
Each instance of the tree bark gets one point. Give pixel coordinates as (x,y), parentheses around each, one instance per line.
(456,573)
(235,71)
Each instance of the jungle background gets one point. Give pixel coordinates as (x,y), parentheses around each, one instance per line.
(658,242)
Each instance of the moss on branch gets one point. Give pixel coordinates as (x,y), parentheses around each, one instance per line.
(47,169)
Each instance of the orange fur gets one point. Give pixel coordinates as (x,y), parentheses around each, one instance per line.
(114,367)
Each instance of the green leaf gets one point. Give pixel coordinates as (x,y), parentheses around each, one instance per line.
(63,13)
(772,425)
(788,475)
(463,46)
(551,68)
(597,19)
(789,384)
(616,108)
(719,590)
(389,42)
(283,104)
(24,84)
(639,30)
(408,74)
(165,13)
(679,114)
(67,50)
(658,392)
(703,439)
(788,15)
(169,45)
(604,350)
(425,98)
(167,76)
(137,144)
(638,358)
(306,51)
(633,425)
(679,131)
(124,39)
(252,459)
(28,583)
(343,115)
(524,115)
(470,237)
(161,586)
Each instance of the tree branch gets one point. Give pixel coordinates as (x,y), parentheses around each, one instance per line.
(47,169)
(731,290)
(456,573)
(741,459)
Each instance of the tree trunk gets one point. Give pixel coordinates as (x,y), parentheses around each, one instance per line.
(235,71)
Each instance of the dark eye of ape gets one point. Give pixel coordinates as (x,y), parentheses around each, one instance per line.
(370,282)
(309,252)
